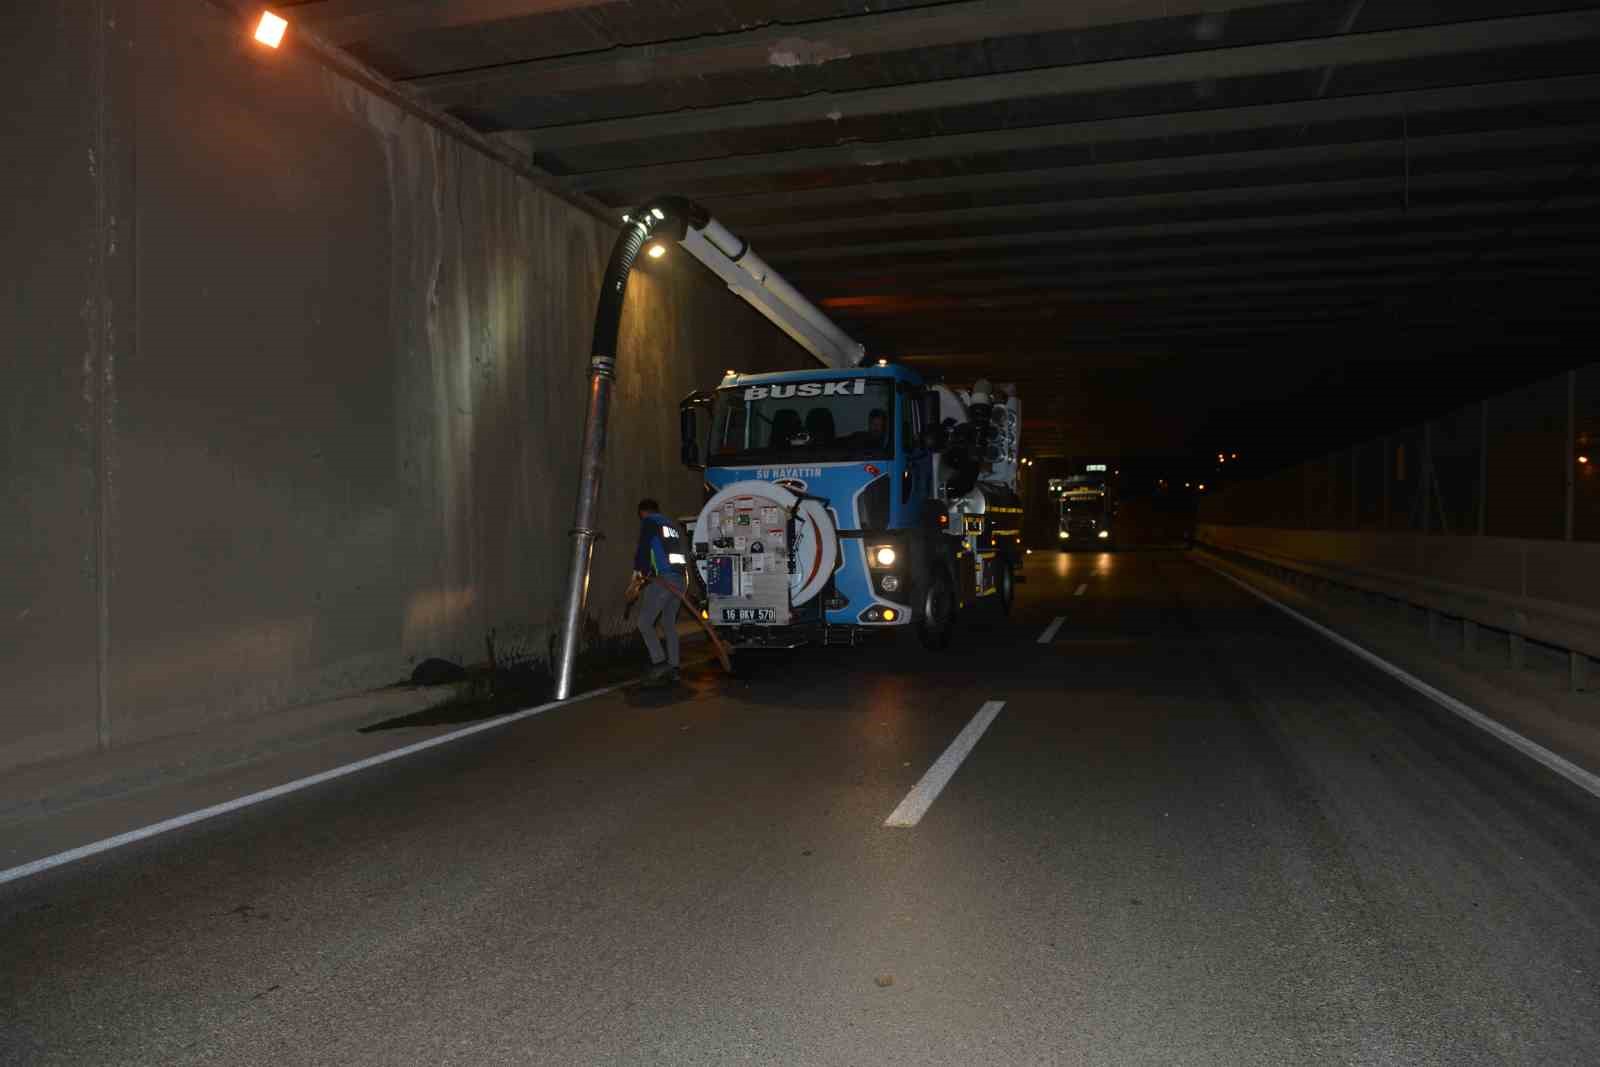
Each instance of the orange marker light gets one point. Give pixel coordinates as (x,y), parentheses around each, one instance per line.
(270,30)
(888,615)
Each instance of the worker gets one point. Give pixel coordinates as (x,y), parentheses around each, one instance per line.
(661,555)
(875,437)
(878,427)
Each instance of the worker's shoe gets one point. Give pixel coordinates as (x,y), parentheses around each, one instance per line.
(659,674)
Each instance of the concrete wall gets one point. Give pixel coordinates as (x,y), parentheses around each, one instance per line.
(291,382)
(1544,589)
(1523,464)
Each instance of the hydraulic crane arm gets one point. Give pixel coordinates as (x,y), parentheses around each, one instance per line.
(730,258)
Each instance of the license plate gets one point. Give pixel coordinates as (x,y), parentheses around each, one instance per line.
(747,615)
(973,523)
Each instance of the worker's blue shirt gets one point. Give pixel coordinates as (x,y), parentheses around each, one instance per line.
(662,548)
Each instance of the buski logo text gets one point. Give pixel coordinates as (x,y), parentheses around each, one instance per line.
(849,387)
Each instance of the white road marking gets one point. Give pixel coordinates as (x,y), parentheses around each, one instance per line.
(1051,630)
(178,822)
(1585,780)
(925,792)
(1081,589)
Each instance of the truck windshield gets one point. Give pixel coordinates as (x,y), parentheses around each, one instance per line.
(816,421)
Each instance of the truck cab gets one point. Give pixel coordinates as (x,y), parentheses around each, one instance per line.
(1089,509)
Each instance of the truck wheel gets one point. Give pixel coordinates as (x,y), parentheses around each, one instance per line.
(1005,587)
(935,619)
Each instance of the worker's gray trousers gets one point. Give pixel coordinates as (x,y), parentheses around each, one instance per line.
(659,602)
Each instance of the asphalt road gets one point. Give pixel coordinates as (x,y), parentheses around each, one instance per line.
(1196,833)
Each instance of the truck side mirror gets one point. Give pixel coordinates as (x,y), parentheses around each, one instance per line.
(689,428)
(934,438)
(688,438)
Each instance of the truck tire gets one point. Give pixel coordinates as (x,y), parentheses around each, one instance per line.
(1005,587)
(936,614)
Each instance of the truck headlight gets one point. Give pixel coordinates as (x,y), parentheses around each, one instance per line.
(884,556)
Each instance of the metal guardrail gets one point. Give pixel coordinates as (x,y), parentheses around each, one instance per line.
(1543,591)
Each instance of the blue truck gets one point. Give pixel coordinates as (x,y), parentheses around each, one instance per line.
(843,501)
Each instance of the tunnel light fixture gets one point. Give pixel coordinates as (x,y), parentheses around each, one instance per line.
(1583,459)
(1103,534)
(270,29)
(657,251)
(1063,535)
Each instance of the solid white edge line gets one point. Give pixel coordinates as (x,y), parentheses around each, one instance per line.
(1051,630)
(1585,780)
(178,822)
(1081,589)
(926,791)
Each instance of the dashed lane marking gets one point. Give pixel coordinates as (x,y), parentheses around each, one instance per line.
(1051,630)
(925,792)
(1081,589)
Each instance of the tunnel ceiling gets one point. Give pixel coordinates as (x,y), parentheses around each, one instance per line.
(1184,225)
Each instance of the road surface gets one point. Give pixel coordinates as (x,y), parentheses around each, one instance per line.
(1195,832)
